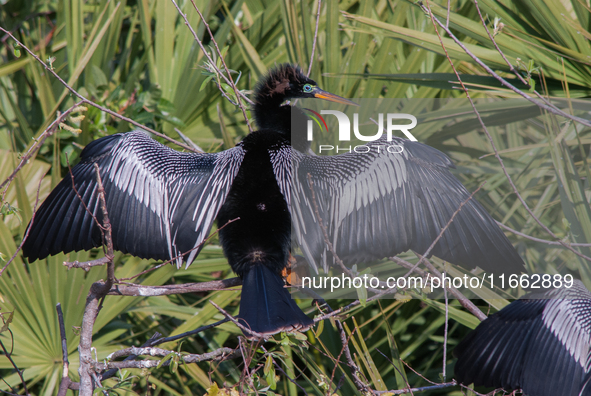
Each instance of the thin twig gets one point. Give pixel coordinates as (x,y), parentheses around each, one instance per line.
(211,61)
(229,80)
(519,76)
(107,227)
(345,350)
(315,39)
(397,369)
(355,372)
(252,334)
(65,383)
(86,265)
(494,392)
(8,393)
(189,141)
(147,271)
(492,39)
(329,244)
(164,340)
(80,197)
(98,383)
(418,374)
(18,371)
(289,378)
(545,241)
(387,290)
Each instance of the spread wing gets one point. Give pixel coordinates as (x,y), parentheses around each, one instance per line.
(161,202)
(389,200)
(540,343)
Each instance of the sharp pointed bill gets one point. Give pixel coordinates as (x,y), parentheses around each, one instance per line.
(320,94)
(540,343)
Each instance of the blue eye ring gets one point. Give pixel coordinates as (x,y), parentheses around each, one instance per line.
(307,88)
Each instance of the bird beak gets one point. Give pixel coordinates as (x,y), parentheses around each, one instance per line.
(318,93)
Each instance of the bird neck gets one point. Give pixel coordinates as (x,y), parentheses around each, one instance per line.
(289,121)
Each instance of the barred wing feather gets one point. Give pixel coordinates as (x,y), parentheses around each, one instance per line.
(381,203)
(540,343)
(161,202)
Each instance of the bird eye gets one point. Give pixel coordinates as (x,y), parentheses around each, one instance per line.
(307,88)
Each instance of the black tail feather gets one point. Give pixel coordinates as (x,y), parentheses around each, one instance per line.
(266,306)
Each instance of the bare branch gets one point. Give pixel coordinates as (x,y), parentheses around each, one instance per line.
(110,373)
(87,265)
(397,369)
(134,290)
(145,351)
(218,354)
(97,292)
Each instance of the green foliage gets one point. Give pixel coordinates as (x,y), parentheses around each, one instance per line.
(139,59)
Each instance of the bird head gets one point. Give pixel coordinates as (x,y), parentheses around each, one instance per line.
(284,82)
(288,81)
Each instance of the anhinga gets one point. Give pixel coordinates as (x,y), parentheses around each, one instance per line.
(540,343)
(162,203)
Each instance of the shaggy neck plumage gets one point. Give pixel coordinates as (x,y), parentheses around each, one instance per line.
(289,122)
